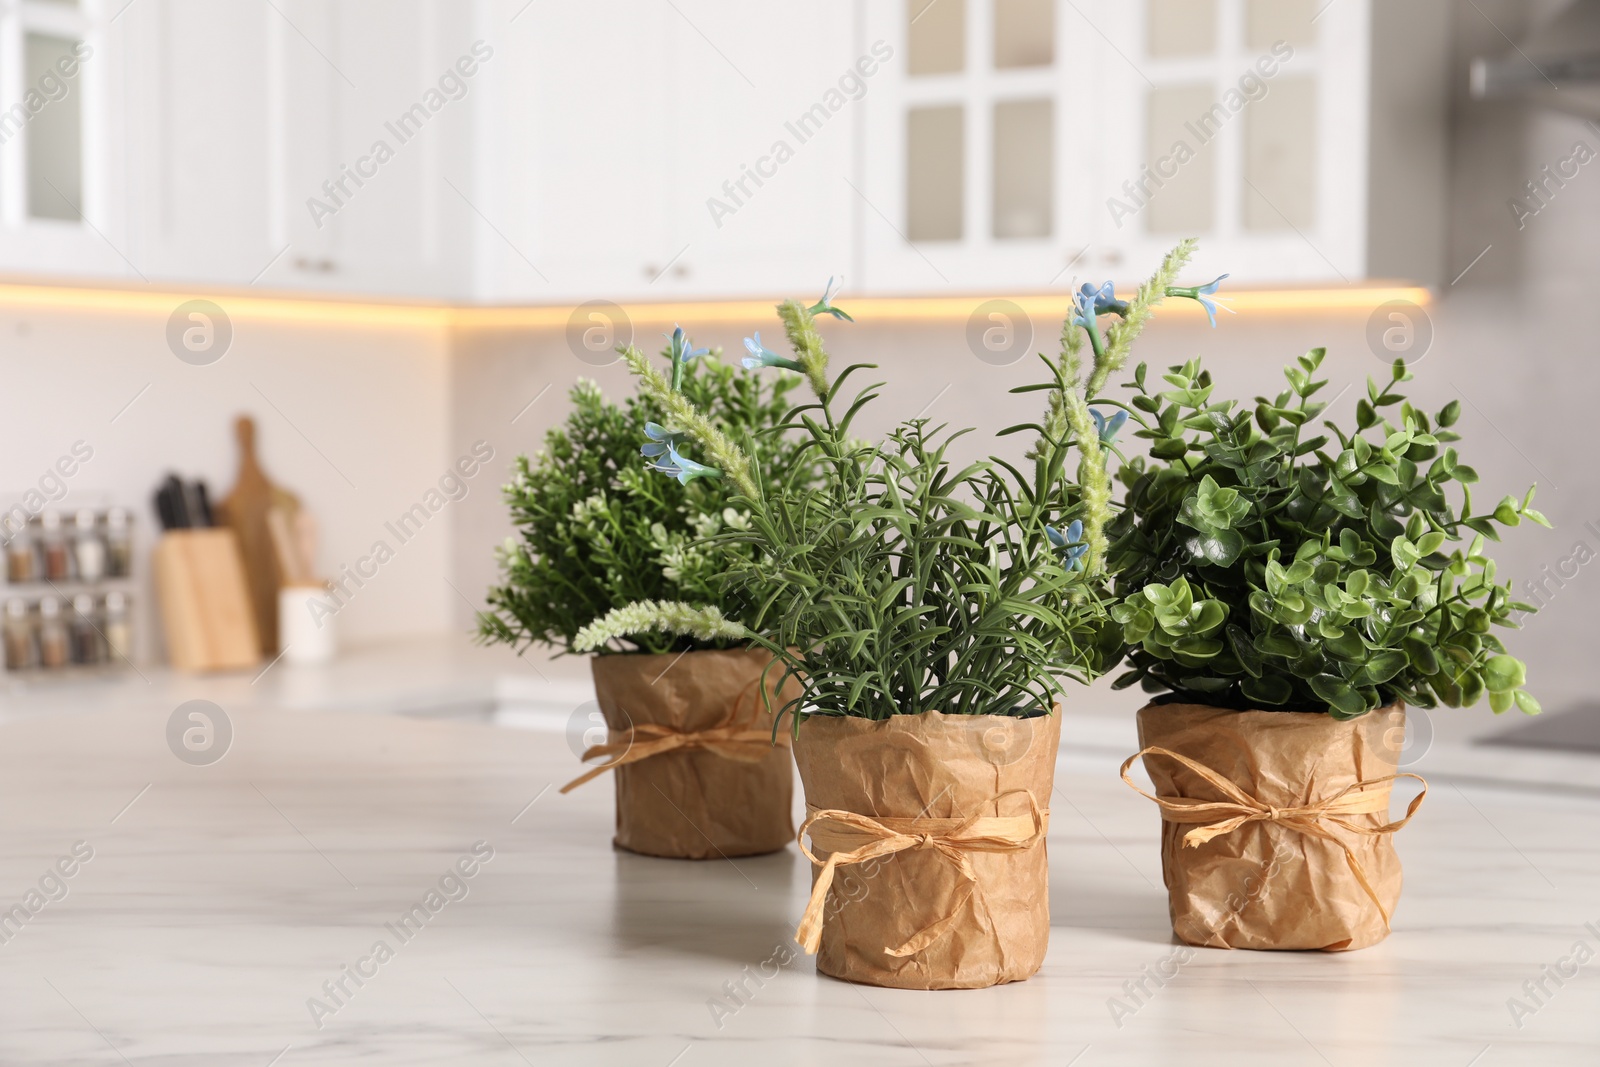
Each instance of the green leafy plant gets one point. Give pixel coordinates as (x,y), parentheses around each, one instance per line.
(596,530)
(1261,564)
(900,583)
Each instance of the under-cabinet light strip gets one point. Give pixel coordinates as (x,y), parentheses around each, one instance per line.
(286,308)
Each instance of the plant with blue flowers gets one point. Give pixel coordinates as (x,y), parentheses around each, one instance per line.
(899,582)
(599,529)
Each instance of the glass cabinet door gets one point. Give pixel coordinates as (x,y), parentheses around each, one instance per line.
(1241,123)
(1021,142)
(971,177)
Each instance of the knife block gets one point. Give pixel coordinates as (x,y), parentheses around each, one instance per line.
(205,603)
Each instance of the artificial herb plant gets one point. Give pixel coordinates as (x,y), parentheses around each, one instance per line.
(596,531)
(1263,564)
(899,583)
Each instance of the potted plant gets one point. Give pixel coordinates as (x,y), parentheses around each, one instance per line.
(927,612)
(1289,591)
(688,732)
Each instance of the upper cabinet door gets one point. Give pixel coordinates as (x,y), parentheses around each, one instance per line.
(58,211)
(202,95)
(371,130)
(978,151)
(572,150)
(1242,123)
(761,134)
(709,153)
(1017,143)
(295,144)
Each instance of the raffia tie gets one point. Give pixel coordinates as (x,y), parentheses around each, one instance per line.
(850,838)
(731,739)
(1218,817)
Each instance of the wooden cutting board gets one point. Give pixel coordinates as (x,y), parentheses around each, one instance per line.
(245,510)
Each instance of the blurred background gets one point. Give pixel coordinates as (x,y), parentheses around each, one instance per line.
(393,234)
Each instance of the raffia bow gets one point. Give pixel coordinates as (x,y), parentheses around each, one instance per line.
(1218,817)
(730,738)
(851,838)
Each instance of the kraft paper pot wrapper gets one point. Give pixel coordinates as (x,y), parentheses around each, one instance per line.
(980,786)
(730,798)
(1267,883)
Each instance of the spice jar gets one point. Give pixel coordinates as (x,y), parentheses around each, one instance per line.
(88,550)
(53,641)
(118,629)
(119,543)
(21,564)
(20,651)
(85,634)
(54,544)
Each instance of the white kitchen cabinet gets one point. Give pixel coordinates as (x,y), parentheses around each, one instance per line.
(708,153)
(977,157)
(371,124)
(57,109)
(572,186)
(1302,142)
(212,129)
(503,151)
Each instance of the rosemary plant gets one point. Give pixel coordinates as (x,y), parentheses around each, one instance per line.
(899,583)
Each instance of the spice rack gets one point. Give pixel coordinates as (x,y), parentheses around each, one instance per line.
(66,604)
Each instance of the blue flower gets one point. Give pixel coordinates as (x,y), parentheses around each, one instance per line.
(1071,543)
(661,440)
(760,356)
(682,352)
(1105,299)
(1107,428)
(1083,309)
(1089,304)
(684,470)
(1202,294)
(825,306)
(1086,305)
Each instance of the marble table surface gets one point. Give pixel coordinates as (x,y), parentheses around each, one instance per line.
(210,907)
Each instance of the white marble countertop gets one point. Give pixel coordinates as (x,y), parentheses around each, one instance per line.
(220,898)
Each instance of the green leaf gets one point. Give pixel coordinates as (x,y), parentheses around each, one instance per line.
(1126,679)
(1380,472)
(1404,553)
(1383,666)
(1169,448)
(1298,572)
(1350,647)
(1339,695)
(1429,543)
(1219,547)
(1421,655)
(1277,644)
(1205,684)
(1504,673)
(1207,616)
(1269,689)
